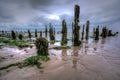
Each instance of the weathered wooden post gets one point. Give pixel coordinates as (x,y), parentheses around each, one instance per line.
(20,36)
(29,34)
(54,31)
(51,34)
(104,32)
(87,29)
(76,41)
(97,33)
(13,35)
(83,32)
(94,32)
(42,46)
(35,33)
(72,31)
(64,33)
(110,33)
(3,32)
(40,34)
(46,30)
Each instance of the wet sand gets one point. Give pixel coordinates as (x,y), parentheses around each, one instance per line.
(91,61)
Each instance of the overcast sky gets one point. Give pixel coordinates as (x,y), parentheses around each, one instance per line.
(37,13)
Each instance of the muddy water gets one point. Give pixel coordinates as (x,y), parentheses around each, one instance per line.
(93,60)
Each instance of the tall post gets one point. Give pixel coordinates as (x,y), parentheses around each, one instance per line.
(29,34)
(76,41)
(13,35)
(54,31)
(46,31)
(35,33)
(83,32)
(97,33)
(72,31)
(51,33)
(93,32)
(64,33)
(40,34)
(87,29)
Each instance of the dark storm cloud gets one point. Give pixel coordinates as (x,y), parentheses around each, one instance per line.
(6,18)
(41,12)
(42,3)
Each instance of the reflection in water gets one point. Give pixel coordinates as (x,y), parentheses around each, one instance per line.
(75,54)
(95,43)
(64,54)
(74,63)
(86,47)
(102,43)
(75,51)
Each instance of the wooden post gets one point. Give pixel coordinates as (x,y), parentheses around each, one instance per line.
(83,32)
(97,33)
(87,29)
(76,41)
(64,33)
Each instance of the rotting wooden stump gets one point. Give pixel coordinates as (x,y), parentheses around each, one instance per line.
(76,29)
(87,29)
(97,33)
(51,33)
(64,33)
(83,32)
(42,46)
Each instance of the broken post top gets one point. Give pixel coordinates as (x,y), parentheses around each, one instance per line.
(87,25)
(76,12)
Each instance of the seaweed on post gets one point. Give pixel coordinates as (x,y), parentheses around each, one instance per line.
(97,33)
(40,33)
(51,33)
(13,35)
(87,29)
(29,34)
(76,41)
(83,32)
(64,33)
(20,36)
(42,46)
(46,30)
(35,33)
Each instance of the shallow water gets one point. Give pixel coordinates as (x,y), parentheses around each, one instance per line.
(93,60)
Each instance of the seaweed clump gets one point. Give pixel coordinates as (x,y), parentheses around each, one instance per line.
(42,46)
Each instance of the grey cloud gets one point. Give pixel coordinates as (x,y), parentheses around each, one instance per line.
(99,12)
(5,15)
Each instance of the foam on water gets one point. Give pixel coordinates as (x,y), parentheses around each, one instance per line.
(13,50)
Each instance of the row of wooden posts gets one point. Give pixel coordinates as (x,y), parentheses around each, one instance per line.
(75,31)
